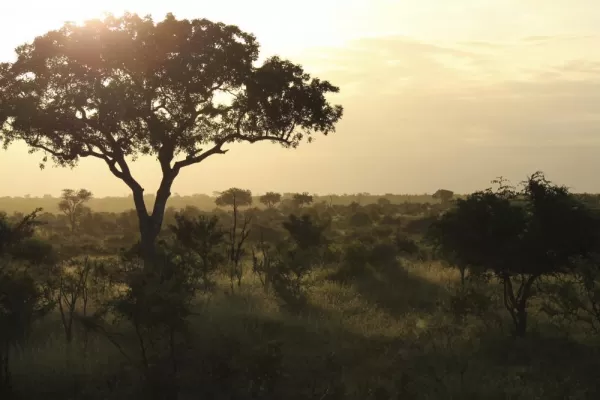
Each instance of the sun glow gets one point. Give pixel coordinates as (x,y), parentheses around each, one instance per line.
(426,84)
(275,23)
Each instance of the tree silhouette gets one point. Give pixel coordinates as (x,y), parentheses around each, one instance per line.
(72,204)
(443,195)
(519,236)
(203,237)
(179,90)
(270,199)
(302,199)
(235,198)
(22,301)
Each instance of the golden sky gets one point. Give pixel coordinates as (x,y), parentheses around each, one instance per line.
(438,93)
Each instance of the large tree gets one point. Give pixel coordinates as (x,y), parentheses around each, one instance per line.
(179,90)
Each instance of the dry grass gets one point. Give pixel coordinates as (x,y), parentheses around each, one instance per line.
(389,332)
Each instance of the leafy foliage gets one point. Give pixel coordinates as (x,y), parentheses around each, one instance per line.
(444,195)
(270,199)
(235,198)
(180,90)
(22,299)
(302,199)
(72,204)
(575,299)
(204,241)
(519,236)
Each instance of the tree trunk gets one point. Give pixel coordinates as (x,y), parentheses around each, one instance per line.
(521,322)
(151,224)
(516,304)
(5,379)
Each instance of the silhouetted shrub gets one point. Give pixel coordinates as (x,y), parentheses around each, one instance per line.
(383,254)
(406,245)
(574,300)
(355,262)
(360,219)
(518,236)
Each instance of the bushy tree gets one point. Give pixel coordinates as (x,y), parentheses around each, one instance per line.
(302,199)
(305,233)
(239,231)
(285,265)
(72,204)
(443,195)
(360,219)
(575,299)
(235,198)
(383,202)
(204,240)
(22,298)
(270,199)
(519,236)
(180,90)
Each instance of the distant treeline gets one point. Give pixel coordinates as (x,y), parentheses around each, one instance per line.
(202,201)
(206,203)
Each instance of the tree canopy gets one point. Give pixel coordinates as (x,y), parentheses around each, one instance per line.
(520,235)
(179,90)
(444,195)
(235,198)
(301,199)
(72,204)
(269,199)
(127,86)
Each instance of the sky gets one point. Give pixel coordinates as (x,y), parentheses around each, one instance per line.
(437,94)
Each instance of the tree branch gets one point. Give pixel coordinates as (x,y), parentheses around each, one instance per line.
(217,149)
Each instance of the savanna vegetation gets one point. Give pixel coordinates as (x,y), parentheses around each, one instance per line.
(490,295)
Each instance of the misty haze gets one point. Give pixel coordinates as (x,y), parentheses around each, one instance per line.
(367,199)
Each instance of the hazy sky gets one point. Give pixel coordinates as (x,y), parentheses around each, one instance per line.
(438,93)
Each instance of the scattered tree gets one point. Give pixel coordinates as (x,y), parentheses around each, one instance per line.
(360,219)
(203,239)
(72,204)
(270,199)
(22,299)
(518,236)
(383,202)
(443,195)
(285,266)
(575,299)
(302,199)
(239,231)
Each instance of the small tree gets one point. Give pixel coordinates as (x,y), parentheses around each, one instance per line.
(285,266)
(239,231)
(22,298)
(270,199)
(443,195)
(575,299)
(305,233)
(72,204)
(360,219)
(302,199)
(74,277)
(518,236)
(157,302)
(383,202)
(203,239)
